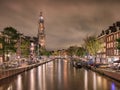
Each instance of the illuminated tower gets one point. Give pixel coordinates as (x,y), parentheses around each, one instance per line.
(41,33)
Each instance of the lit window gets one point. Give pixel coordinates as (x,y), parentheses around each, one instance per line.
(112,38)
(111,44)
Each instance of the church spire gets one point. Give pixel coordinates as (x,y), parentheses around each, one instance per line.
(41,19)
(41,32)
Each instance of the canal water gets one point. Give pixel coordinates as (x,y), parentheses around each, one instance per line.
(59,75)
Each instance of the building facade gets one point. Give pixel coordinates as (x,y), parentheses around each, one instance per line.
(112,52)
(108,38)
(102,52)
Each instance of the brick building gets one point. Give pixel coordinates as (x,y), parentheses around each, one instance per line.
(108,38)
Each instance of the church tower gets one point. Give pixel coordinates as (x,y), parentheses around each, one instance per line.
(41,33)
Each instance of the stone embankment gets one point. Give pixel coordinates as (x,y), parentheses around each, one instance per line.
(113,74)
(14,71)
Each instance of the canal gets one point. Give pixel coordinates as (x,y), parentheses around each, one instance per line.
(59,75)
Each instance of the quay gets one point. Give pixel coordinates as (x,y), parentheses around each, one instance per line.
(5,73)
(113,74)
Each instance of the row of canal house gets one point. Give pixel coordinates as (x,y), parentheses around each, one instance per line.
(109,52)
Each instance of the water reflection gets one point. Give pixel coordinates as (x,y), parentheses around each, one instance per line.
(94,81)
(99,81)
(104,81)
(19,82)
(32,79)
(59,71)
(59,75)
(113,86)
(10,87)
(86,80)
(39,78)
(65,74)
(42,77)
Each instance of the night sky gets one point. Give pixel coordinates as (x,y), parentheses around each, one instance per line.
(67,22)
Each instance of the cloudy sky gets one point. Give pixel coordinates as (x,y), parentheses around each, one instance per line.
(67,22)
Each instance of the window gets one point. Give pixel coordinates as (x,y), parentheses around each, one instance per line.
(111,44)
(108,39)
(107,45)
(112,38)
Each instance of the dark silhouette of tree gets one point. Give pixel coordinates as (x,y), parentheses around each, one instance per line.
(25,47)
(107,31)
(118,23)
(75,50)
(9,40)
(10,36)
(81,51)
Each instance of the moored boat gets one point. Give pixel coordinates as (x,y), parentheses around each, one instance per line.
(78,65)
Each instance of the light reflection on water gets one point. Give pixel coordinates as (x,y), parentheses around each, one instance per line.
(99,81)
(32,79)
(59,71)
(94,81)
(39,70)
(113,86)
(42,77)
(86,80)
(10,88)
(19,82)
(59,75)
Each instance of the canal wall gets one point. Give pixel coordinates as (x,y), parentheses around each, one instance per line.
(14,71)
(109,73)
